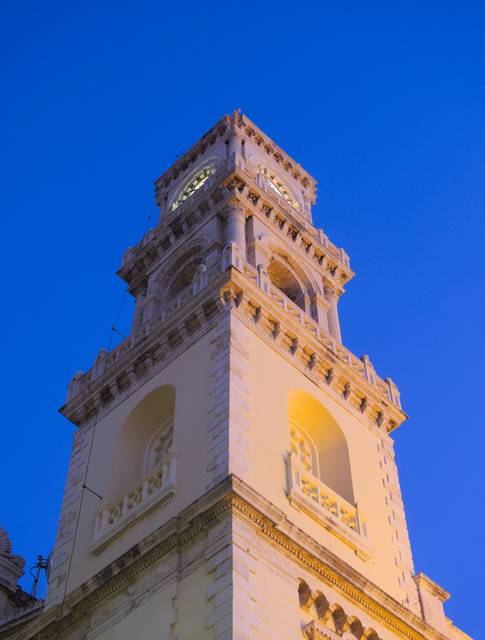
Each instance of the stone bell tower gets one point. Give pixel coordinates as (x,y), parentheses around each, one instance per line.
(233,474)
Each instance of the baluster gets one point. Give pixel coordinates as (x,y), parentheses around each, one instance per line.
(125,505)
(357,520)
(104,518)
(337,509)
(298,477)
(164,467)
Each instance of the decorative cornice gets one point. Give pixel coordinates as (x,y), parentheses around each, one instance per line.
(301,341)
(230,498)
(311,244)
(293,168)
(194,153)
(288,329)
(143,355)
(276,528)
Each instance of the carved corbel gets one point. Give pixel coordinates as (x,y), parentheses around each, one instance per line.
(296,347)
(315,362)
(305,596)
(131,374)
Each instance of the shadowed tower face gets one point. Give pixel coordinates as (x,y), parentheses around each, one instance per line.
(243,454)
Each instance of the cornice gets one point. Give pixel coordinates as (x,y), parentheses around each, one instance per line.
(235,184)
(193,154)
(158,243)
(231,498)
(302,548)
(283,159)
(310,243)
(289,330)
(305,344)
(144,354)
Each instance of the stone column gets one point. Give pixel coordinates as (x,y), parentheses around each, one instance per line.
(332,313)
(138,314)
(236,226)
(320,307)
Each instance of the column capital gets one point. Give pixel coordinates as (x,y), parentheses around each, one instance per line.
(331,293)
(234,205)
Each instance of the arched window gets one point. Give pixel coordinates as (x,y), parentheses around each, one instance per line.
(283,278)
(159,446)
(319,443)
(183,278)
(144,439)
(143,466)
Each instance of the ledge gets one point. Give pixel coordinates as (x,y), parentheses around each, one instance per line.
(153,491)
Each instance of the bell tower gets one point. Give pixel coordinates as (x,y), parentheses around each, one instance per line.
(232,473)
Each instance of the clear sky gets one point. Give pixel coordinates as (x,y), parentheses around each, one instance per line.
(384,106)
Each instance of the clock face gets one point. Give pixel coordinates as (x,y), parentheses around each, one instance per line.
(193,185)
(279,187)
(274,187)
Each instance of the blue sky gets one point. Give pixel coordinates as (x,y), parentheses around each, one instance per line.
(383,105)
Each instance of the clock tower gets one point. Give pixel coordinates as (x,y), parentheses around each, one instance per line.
(232,473)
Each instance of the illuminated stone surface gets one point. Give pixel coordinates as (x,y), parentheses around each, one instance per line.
(243,453)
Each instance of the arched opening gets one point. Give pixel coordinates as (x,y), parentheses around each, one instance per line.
(283,278)
(183,277)
(144,439)
(319,444)
(176,277)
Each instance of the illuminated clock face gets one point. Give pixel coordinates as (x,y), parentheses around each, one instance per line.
(193,185)
(274,187)
(279,187)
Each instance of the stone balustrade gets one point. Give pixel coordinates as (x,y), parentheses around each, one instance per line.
(157,487)
(311,488)
(339,516)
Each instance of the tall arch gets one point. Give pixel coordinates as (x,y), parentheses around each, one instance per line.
(136,444)
(283,278)
(178,272)
(308,416)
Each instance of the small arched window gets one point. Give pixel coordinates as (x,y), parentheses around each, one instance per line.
(183,278)
(143,440)
(282,277)
(159,446)
(319,443)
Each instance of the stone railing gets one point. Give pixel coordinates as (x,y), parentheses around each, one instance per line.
(293,309)
(339,516)
(157,487)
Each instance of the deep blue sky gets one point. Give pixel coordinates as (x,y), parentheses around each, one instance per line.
(384,106)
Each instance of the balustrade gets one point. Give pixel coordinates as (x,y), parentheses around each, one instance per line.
(310,490)
(159,484)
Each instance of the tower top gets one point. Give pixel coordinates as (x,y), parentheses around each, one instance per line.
(237,143)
